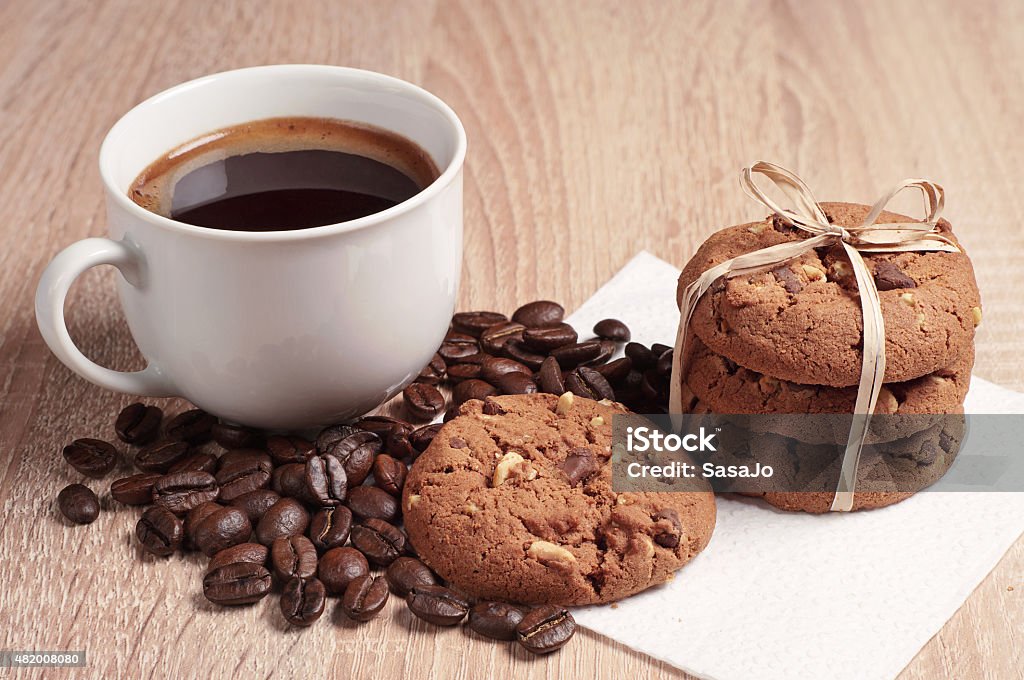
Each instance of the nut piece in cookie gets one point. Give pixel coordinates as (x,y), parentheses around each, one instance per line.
(550,555)
(512,466)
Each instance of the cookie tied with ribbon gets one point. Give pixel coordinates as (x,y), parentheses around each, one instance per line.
(809,229)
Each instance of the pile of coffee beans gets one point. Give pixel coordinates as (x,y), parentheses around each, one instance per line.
(318,519)
(486,353)
(310,520)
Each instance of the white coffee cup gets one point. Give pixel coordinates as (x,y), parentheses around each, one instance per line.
(286,329)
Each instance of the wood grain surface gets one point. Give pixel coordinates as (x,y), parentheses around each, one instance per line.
(596,129)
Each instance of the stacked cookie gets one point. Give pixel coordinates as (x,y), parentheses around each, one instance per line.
(789,341)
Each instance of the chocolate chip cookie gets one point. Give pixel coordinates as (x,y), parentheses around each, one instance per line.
(513,501)
(804,476)
(887,474)
(802,321)
(816,414)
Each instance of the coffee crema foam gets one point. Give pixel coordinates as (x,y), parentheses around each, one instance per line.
(154,188)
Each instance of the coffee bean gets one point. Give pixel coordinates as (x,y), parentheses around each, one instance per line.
(161,456)
(91,457)
(236,436)
(664,365)
(159,531)
(493,339)
(472,389)
(658,349)
(192,426)
(496,620)
(586,382)
(245,475)
(339,567)
(460,372)
(389,474)
(550,377)
(544,340)
(382,543)
(605,353)
(286,517)
(421,437)
(78,503)
(539,314)
(642,357)
(256,503)
(196,462)
(303,601)
(458,346)
(379,425)
(138,423)
(516,383)
(571,356)
(329,528)
(668,538)
(405,573)
(579,466)
(356,452)
(134,490)
(475,323)
(329,436)
(615,372)
(192,520)
(474,359)
(182,491)
(545,629)
(437,605)
(238,583)
(890,277)
(612,329)
(433,373)
(495,368)
(651,385)
(515,349)
(293,557)
(243,552)
(630,387)
(287,449)
(288,479)
(369,501)
(221,529)
(423,402)
(364,597)
(254,457)
(326,481)
(398,443)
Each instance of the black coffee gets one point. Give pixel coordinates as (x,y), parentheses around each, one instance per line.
(283,174)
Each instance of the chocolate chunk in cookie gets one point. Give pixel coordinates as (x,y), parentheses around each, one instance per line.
(890,277)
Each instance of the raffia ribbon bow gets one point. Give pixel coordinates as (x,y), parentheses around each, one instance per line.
(808,216)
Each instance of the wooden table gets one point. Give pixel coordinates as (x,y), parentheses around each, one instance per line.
(596,129)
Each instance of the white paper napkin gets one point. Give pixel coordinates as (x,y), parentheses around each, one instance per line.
(791,596)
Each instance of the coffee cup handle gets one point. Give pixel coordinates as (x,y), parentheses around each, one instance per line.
(53,289)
